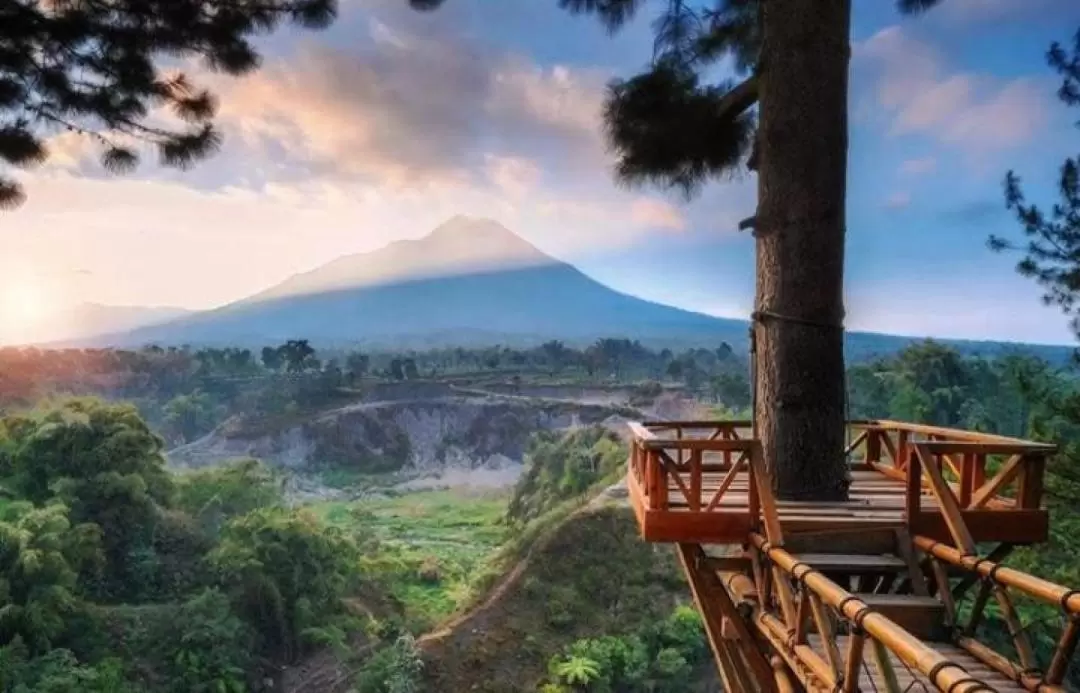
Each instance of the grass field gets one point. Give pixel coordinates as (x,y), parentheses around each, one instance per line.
(438,541)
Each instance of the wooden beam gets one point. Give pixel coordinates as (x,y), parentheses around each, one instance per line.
(990,489)
(949,506)
(714,603)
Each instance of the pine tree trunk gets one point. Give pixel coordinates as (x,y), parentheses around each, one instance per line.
(802,169)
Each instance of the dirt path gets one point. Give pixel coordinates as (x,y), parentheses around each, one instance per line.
(494,596)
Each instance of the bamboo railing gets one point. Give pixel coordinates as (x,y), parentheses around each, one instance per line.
(997,581)
(803,601)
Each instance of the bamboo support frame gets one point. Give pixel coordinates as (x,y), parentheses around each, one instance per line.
(766,622)
(943,672)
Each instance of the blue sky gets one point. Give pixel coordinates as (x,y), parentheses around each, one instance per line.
(390,122)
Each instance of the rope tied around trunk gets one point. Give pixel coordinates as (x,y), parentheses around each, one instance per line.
(763,315)
(760,316)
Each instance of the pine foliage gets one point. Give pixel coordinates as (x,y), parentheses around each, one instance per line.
(95,68)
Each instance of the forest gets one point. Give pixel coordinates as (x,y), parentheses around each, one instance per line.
(118,573)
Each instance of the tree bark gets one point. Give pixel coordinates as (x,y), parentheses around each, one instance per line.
(802,172)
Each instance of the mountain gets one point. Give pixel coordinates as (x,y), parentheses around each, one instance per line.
(467,277)
(469,282)
(87,321)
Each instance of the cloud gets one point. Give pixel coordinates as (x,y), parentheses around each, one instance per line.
(975,112)
(916,167)
(410,106)
(514,176)
(655,213)
(898,200)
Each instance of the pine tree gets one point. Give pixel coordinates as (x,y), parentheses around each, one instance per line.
(94,68)
(1051,252)
(669,127)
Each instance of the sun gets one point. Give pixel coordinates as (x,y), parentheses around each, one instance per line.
(22,305)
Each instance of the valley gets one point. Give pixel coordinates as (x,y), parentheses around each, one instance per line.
(450,515)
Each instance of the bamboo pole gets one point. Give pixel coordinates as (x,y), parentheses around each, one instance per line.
(1063,652)
(1037,587)
(948,675)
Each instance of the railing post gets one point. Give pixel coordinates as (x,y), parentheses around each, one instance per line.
(903,452)
(913,467)
(1030,487)
(660,501)
(873,445)
(695,480)
(967,479)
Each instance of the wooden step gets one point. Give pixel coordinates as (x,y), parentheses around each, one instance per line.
(923,617)
(866,542)
(853,563)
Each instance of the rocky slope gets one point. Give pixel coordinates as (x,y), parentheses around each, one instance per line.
(484,435)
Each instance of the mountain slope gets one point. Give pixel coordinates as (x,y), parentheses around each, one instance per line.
(470,282)
(467,276)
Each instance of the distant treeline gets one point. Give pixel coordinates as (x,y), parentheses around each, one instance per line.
(184,392)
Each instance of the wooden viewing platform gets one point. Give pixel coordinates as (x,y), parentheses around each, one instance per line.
(691,481)
(868,594)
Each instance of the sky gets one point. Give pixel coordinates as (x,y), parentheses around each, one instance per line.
(392,121)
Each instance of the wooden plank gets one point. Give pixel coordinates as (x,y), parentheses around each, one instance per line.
(854,562)
(953,433)
(1006,526)
(639,431)
(705,528)
(923,617)
(945,447)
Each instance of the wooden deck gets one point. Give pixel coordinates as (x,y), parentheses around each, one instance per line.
(693,482)
(887,591)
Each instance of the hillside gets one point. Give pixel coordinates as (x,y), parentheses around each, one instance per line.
(588,577)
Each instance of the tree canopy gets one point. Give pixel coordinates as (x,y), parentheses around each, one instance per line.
(97,68)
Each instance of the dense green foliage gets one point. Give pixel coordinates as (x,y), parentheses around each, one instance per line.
(103,552)
(560,466)
(216,577)
(661,658)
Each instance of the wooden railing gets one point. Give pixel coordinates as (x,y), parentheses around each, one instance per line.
(969,475)
(999,582)
(684,452)
(960,457)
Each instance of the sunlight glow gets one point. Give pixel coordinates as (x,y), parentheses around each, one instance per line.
(23,304)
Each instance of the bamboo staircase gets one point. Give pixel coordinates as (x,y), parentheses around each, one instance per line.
(885,592)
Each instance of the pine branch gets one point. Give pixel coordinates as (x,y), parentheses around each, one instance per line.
(666,129)
(89,66)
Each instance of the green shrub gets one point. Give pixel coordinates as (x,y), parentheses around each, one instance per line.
(393,669)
